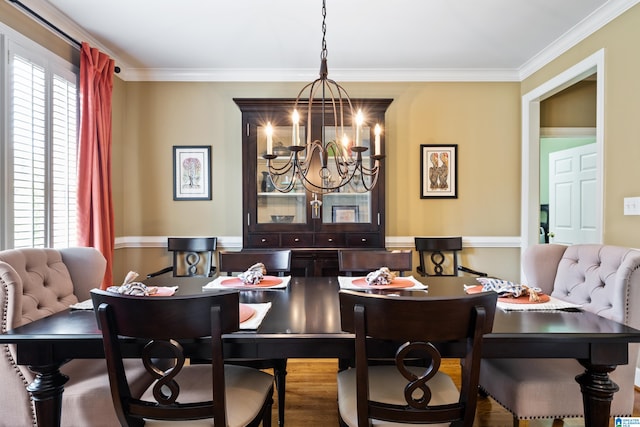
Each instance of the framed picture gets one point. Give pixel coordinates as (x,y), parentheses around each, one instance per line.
(344,213)
(439,171)
(191,172)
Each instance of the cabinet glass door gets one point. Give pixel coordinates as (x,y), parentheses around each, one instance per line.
(349,204)
(273,206)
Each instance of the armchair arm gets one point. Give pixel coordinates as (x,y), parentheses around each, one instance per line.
(159,272)
(472,271)
(86,267)
(540,265)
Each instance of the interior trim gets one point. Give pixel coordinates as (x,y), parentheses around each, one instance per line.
(588,26)
(235,242)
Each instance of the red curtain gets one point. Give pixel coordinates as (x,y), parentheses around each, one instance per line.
(95,204)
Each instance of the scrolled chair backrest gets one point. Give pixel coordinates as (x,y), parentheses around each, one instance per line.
(418,325)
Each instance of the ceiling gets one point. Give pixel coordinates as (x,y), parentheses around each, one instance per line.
(367,40)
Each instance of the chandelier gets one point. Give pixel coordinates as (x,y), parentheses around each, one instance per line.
(336,160)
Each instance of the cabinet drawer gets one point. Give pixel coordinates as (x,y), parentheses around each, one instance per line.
(363,240)
(297,240)
(329,240)
(264,240)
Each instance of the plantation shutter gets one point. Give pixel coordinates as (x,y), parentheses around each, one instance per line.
(43,129)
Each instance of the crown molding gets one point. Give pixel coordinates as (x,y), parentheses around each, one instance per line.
(563,132)
(598,19)
(588,26)
(304,75)
(60,20)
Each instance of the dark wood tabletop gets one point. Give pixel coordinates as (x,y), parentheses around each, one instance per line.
(304,321)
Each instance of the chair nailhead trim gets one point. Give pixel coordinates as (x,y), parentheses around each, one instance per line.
(6,351)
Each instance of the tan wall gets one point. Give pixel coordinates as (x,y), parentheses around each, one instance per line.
(622,109)
(482,118)
(573,107)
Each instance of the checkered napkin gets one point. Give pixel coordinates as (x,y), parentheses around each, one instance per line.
(505,288)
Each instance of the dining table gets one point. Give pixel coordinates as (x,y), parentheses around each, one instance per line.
(303,321)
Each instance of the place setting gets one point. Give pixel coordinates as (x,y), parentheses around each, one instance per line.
(519,297)
(130,287)
(254,278)
(252,315)
(381,279)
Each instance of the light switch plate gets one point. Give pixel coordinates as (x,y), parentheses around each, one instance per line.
(632,205)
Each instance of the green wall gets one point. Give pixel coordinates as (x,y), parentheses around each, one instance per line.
(550,145)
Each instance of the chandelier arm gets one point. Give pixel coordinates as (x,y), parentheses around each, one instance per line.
(342,165)
(343,97)
(275,170)
(337,124)
(373,173)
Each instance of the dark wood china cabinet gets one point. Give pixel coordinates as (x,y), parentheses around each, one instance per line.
(347,218)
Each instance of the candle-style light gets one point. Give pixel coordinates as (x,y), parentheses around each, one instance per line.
(359,121)
(295,137)
(269,132)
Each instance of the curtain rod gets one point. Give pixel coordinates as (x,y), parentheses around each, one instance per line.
(53,27)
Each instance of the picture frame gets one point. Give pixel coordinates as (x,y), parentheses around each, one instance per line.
(191,172)
(344,213)
(439,171)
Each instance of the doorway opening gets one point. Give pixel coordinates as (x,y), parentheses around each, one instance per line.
(531,132)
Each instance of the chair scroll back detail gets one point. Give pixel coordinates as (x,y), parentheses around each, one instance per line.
(438,250)
(364,261)
(412,394)
(172,395)
(192,257)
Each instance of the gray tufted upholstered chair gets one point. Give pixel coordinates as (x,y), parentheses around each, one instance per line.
(606,281)
(35,283)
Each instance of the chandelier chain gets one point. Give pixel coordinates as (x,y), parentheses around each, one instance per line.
(323,53)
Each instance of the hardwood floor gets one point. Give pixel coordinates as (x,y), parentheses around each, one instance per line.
(312,399)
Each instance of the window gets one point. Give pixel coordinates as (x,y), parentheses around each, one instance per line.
(40,173)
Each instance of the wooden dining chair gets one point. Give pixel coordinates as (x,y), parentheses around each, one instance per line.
(192,257)
(277,263)
(229,395)
(435,254)
(403,393)
(364,261)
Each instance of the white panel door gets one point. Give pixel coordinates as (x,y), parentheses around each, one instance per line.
(573,196)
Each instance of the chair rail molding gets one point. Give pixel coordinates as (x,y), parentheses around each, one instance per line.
(224,242)
(235,242)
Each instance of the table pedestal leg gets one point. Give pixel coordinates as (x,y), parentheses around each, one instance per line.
(46,393)
(597,393)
